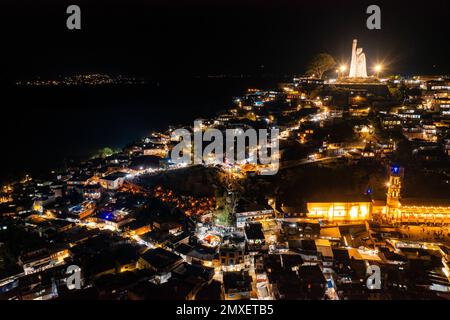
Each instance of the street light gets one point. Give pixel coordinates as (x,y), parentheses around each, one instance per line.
(341,70)
(378,68)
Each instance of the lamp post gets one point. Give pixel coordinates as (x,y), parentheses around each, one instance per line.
(340,71)
(378,68)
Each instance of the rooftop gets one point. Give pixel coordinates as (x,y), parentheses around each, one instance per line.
(253,231)
(114,176)
(160,258)
(425,202)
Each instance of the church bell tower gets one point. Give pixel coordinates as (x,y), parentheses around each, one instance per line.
(394,188)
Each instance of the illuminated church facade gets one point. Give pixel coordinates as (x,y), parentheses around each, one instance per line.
(413,210)
(394,210)
(340,209)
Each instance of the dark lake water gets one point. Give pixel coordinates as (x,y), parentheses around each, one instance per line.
(44,125)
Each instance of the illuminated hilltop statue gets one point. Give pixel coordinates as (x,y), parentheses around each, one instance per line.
(358,64)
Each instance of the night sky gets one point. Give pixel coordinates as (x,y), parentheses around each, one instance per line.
(185,38)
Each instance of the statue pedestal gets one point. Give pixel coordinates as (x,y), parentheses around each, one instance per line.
(359,80)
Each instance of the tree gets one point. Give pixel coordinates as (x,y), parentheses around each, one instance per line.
(319,64)
(396,93)
(104,152)
(222,216)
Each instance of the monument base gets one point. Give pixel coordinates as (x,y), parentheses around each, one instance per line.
(355,80)
(374,87)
